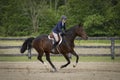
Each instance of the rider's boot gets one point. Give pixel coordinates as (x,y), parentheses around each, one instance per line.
(54,46)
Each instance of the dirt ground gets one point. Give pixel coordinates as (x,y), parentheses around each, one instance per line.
(38,71)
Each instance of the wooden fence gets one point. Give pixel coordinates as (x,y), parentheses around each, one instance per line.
(111,47)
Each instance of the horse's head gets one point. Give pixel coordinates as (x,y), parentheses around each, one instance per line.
(81,32)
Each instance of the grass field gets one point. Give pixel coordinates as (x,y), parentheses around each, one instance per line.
(96,42)
(62,59)
(77,42)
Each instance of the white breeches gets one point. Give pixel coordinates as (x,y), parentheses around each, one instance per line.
(56,36)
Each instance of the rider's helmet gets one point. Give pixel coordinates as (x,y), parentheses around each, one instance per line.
(63,17)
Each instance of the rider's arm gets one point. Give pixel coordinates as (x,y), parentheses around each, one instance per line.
(64,27)
(59,26)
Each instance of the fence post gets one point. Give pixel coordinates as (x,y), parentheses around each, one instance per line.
(112,48)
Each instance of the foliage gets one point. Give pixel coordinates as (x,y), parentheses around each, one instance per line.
(34,17)
(93,24)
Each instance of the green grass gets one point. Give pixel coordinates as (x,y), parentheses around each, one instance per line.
(96,42)
(77,42)
(11,43)
(60,59)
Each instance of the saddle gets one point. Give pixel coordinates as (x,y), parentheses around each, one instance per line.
(51,37)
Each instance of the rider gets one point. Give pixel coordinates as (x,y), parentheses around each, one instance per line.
(57,30)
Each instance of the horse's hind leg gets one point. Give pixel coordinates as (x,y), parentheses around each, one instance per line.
(48,59)
(68,61)
(77,57)
(40,57)
(40,54)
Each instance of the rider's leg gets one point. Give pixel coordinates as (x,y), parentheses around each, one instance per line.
(60,37)
(56,40)
(55,44)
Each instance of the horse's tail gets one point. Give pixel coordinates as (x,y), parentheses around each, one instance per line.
(27,44)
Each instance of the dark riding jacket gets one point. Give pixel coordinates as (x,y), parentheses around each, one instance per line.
(58,28)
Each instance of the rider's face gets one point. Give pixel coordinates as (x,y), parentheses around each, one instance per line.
(64,20)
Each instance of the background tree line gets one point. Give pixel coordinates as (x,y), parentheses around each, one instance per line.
(35,17)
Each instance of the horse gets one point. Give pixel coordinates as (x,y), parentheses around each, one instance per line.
(43,45)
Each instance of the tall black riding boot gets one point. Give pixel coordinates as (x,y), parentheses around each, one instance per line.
(54,46)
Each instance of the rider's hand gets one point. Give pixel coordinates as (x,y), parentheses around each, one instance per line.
(63,33)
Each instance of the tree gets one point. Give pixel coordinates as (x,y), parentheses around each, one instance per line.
(34,10)
(28,17)
(92,12)
(12,21)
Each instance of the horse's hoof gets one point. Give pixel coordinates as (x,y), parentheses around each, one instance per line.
(74,66)
(62,66)
(53,70)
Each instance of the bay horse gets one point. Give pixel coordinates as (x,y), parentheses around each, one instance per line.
(43,45)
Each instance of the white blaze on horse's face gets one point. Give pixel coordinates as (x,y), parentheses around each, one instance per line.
(81,32)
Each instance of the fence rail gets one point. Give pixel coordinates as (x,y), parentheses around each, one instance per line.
(78,38)
(112,46)
(12,38)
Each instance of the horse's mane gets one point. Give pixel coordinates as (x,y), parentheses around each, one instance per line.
(74,27)
(71,28)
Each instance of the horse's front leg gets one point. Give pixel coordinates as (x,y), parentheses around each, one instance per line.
(48,59)
(77,57)
(68,61)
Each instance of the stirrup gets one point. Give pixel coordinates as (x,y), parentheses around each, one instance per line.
(53,50)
